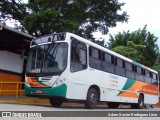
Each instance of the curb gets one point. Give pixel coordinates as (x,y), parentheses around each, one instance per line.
(36,101)
(27,101)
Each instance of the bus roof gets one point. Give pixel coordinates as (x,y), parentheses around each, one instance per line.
(109,51)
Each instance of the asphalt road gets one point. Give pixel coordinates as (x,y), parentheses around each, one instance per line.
(70,110)
(66,107)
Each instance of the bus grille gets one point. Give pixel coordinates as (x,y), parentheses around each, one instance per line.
(46,78)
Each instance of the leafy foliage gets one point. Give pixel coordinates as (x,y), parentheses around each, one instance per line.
(139,45)
(82,17)
(131,51)
(157,64)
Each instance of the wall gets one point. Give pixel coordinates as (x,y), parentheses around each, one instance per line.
(11,67)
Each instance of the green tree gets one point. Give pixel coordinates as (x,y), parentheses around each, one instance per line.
(157,65)
(142,42)
(131,51)
(119,39)
(82,17)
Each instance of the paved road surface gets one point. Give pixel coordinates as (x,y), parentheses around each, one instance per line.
(73,107)
(20,108)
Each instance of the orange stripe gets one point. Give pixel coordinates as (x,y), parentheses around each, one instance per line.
(129,94)
(34,83)
(140,87)
(145,67)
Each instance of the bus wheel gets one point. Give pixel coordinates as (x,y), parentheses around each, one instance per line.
(56,102)
(112,104)
(140,104)
(92,99)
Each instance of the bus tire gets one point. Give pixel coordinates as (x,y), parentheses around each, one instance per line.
(92,99)
(152,106)
(56,102)
(140,104)
(112,104)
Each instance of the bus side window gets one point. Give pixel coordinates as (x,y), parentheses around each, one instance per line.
(95,58)
(107,63)
(139,73)
(147,76)
(119,67)
(130,70)
(78,55)
(155,79)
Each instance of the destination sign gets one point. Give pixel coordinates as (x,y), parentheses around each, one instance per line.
(49,38)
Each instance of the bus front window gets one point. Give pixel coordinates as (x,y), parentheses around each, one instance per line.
(48,58)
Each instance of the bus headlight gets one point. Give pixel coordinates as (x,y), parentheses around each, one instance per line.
(60,81)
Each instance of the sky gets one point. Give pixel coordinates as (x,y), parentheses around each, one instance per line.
(141,12)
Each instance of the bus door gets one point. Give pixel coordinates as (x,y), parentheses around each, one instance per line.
(78,67)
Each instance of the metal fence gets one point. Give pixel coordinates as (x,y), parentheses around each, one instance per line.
(17,90)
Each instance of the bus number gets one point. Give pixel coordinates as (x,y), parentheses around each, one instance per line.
(113,76)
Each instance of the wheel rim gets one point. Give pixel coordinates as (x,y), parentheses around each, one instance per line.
(93,98)
(141,102)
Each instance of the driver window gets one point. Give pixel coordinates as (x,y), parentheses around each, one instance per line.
(78,55)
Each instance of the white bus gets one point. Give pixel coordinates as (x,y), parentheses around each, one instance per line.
(64,67)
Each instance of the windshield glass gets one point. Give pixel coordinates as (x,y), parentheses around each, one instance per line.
(47,58)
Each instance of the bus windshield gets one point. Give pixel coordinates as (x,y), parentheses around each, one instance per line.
(47,58)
